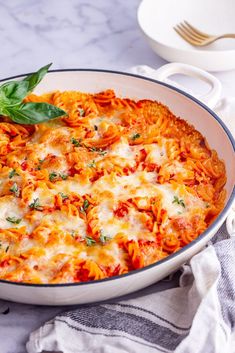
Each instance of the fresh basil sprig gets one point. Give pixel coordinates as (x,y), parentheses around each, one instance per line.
(12,93)
(34,79)
(11,101)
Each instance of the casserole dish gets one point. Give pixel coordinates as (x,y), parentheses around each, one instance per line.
(181,104)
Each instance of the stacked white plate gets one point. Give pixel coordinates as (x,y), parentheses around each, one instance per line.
(158,17)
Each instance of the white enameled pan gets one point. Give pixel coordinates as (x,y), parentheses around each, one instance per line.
(181,104)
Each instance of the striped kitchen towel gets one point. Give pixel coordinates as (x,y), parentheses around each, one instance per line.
(198,316)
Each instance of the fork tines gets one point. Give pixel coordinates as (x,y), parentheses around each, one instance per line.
(190,33)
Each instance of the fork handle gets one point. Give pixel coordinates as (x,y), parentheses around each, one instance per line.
(227,35)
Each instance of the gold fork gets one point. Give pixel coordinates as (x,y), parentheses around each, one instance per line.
(195,37)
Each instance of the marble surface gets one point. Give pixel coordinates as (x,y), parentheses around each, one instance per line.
(71,34)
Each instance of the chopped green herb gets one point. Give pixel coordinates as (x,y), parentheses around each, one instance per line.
(7,248)
(15,190)
(36,205)
(178,201)
(95,127)
(39,167)
(63,176)
(92,164)
(99,150)
(14,220)
(72,233)
(81,111)
(64,197)
(103,238)
(13,173)
(102,153)
(75,142)
(53,176)
(85,206)
(90,241)
(93,149)
(207,205)
(135,136)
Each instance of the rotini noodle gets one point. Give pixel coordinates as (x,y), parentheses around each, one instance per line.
(113,186)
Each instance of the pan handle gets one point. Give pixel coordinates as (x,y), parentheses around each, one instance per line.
(211,98)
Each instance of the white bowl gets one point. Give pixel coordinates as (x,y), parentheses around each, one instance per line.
(181,104)
(158,17)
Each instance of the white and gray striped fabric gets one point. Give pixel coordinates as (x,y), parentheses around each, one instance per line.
(198,316)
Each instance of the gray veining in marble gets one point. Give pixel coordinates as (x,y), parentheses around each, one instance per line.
(74,33)
(71,34)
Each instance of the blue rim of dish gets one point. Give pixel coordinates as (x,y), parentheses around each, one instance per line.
(220,217)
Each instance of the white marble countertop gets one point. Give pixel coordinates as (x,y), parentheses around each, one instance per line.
(71,34)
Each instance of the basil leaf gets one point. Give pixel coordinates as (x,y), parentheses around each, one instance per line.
(34,79)
(13,92)
(34,113)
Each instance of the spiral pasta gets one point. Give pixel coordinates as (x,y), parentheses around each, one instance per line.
(112,187)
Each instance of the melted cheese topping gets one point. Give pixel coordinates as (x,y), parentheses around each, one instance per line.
(156,154)
(9,207)
(114,186)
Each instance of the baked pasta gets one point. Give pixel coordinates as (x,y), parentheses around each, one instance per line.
(113,186)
